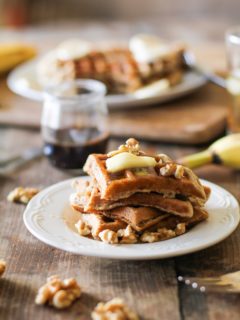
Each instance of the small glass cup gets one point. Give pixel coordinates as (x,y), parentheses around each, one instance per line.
(232,39)
(74,122)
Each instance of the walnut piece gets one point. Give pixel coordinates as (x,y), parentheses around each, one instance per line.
(82,228)
(168,170)
(22,195)
(2,267)
(172,169)
(127,235)
(114,309)
(163,233)
(179,172)
(149,237)
(58,293)
(163,158)
(108,236)
(131,145)
(180,229)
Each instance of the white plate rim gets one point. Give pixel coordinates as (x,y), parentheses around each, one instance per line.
(105,251)
(192,81)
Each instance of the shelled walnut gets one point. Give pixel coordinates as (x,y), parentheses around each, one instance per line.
(108,236)
(127,235)
(114,309)
(172,169)
(2,267)
(131,145)
(82,228)
(163,233)
(162,159)
(58,293)
(22,195)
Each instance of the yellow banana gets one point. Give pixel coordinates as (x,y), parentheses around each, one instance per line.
(224,151)
(13,54)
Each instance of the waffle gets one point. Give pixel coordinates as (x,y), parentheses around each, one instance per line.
(133,197)
(140,219)
(171,222)
(116,67)
(164,65)
(99,223)
(115,186)
(89,199)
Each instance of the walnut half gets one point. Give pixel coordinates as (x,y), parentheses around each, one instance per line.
(127,235)
(22,195)
(108,236)
(82,228)
(172,169)
(58,293)
(163,233)
(114,309)
(131,145)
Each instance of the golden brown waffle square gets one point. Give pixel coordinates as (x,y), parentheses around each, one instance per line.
(98,223)
(139,218)
(115,186)
(170,63)
(171,221)
(88,197)
(118,69)
(115,67)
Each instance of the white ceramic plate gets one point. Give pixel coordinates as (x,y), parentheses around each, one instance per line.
(44,218)
(23,81)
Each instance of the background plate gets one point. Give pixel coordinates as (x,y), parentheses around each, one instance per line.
(191,82)
(44,219)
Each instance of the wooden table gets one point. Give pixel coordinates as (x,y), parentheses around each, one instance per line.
(150,287)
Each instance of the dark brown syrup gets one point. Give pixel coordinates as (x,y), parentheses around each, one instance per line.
(69,148)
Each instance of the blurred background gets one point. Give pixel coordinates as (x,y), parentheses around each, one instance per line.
(194,19)
(194,22)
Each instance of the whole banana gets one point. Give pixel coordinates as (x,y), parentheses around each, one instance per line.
(12,54)
(224,151)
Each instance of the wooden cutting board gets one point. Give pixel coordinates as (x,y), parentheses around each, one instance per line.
(195,119)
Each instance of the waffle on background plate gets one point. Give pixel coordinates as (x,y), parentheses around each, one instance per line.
(122,69)
(135,197)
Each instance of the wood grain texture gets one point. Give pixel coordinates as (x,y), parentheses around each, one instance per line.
(196,119)
(214,261)
(149,287)
(199,118)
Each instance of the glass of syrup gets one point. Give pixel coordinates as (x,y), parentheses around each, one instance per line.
(74,122)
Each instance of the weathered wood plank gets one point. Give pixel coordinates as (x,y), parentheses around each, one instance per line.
(149,287)
(214,261)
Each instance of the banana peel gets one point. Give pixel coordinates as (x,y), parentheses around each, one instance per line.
(225,151)
(12,54)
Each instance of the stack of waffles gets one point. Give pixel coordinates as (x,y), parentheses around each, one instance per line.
(135,197)
(118,67)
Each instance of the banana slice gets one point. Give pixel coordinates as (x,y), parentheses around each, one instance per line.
(126,160)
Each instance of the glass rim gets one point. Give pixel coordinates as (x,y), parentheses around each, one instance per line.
(232,35)
(96,88)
